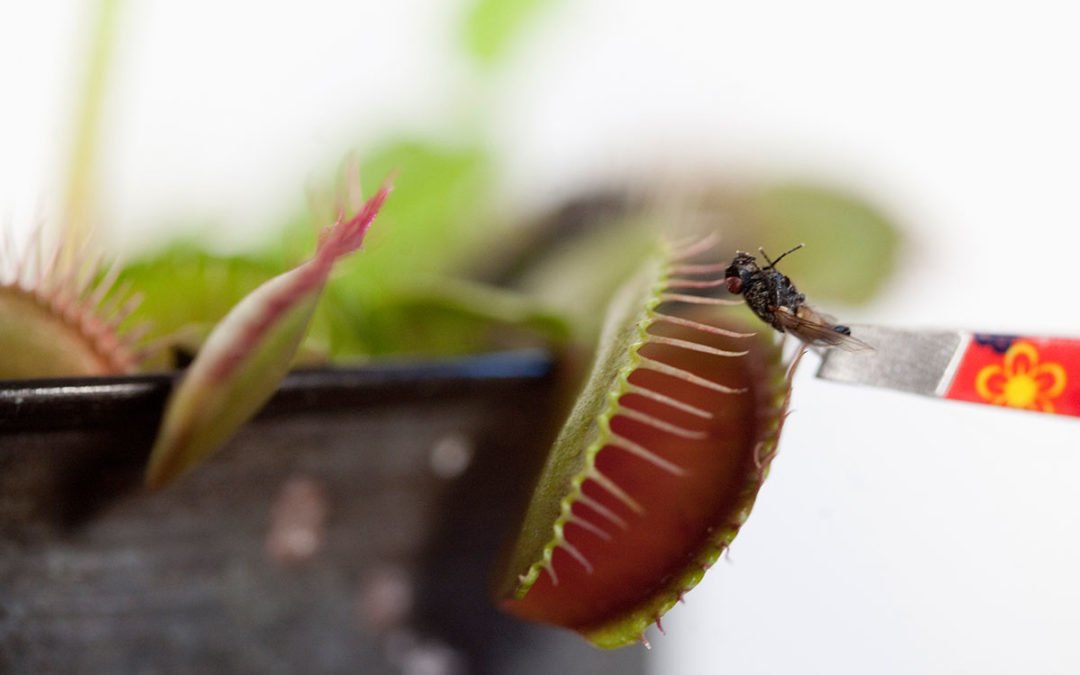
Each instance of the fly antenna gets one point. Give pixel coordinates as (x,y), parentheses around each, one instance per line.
(772,263)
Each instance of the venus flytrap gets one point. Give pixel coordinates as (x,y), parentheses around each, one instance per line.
(62,314)
(658,463)
(248,353)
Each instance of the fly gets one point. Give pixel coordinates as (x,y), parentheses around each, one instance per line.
(775,300)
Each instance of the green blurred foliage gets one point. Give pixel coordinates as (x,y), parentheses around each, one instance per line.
(492,27)
(581,276)
(452,316)
(397,297)
(438,191)
(184,285)
(431,219)
(851,246)
(186,290)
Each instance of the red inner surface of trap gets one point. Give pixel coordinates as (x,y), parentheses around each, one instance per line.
(679,513)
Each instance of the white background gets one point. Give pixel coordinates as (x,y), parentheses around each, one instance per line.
(895,534)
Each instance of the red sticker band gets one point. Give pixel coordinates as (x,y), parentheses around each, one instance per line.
(1040,374)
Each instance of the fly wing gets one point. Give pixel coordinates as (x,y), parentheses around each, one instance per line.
(817,330)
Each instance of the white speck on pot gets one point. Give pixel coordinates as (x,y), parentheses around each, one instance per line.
(297,521)
(385,598)
(428,657)
(451,455)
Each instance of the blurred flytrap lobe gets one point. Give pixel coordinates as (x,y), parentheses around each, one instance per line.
(62,313)
(659,461)
(249,352)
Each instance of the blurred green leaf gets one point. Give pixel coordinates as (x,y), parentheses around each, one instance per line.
(451,316)
(493,26)
(186,291)
(420,235)
(443,189)
(434,221)
(851,247)
(184,285)
(580,277)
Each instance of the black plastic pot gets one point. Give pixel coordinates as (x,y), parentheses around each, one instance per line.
(352,528)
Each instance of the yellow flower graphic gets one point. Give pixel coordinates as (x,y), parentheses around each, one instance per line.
(1020,381)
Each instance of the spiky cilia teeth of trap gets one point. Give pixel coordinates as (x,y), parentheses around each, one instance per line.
(74,285)
(619,441)
(611,487)
(601,510)
(577,555)
(697,325)
(586,525)
(780,411)
(693,246)
(698,299)
(696,283)
(692,268)
(687,376)
(638,450)
(657,423)
(693,346)
(669,401)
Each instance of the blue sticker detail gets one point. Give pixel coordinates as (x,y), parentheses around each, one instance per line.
(999,343)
